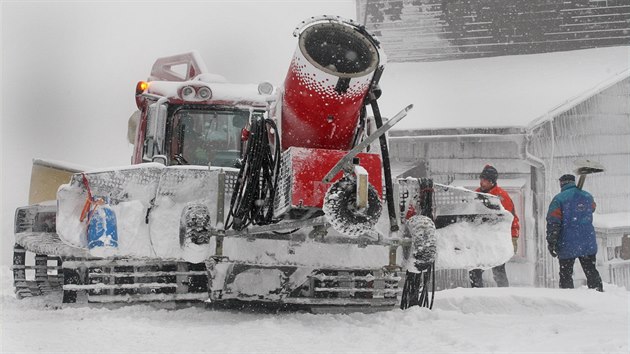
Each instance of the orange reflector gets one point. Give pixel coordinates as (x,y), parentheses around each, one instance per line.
(141,87)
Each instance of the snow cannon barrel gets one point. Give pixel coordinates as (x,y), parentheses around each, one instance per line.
(328,79)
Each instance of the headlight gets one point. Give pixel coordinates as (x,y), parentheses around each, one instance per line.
(204,93)
(188,92)
(265,88)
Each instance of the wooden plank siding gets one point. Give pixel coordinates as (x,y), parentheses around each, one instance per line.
(434,148)
(448,158)
(427,30)
(598,129)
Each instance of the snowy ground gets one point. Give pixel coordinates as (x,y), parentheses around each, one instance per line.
(463,320)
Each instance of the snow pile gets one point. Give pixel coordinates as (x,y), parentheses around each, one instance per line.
(469,245)
(611,221)
(498,320)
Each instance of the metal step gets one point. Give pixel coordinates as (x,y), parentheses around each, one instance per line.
(135,280)
(148,298)
(353,284)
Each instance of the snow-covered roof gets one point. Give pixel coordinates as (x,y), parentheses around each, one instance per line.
(612,221)
(506,91)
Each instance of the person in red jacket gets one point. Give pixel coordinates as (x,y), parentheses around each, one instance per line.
(488,184)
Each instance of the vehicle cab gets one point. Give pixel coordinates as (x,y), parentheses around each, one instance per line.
(196,118)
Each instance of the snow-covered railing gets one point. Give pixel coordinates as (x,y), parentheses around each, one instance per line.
(613,243)
(611,230)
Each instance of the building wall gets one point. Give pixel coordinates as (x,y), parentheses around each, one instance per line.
(447,158)
(425,30)
(461,157)
(597,129)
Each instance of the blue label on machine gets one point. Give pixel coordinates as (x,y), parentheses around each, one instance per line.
(102,229)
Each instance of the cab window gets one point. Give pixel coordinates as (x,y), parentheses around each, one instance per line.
(207,137)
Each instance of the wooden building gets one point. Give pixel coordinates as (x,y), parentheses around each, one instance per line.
(528,86)
(531,117)
(427,30)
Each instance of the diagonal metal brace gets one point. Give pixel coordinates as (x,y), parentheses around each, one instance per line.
(362,145)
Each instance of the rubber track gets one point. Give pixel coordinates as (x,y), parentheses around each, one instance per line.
(44,282)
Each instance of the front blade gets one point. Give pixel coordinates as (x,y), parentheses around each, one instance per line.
(473,229)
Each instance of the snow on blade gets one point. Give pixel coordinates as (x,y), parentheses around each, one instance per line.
(470,245)
(148,201)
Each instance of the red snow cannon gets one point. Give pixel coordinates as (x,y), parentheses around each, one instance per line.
(328,79)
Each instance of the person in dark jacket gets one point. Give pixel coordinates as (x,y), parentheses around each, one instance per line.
(571,235)
(488,184)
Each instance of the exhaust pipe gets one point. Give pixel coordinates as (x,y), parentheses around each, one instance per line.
(328,79)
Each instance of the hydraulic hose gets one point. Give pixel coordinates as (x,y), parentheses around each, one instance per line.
(389,189)
(256,185)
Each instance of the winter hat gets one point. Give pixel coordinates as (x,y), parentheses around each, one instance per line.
(566,179)
(490,173)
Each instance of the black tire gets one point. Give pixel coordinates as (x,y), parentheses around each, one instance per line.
(339,208)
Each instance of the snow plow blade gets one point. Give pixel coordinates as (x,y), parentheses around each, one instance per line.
(46,177)
(168,250)
(473,229)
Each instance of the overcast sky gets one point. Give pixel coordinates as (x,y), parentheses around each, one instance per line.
(69,70)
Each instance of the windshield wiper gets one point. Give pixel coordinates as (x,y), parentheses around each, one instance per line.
(180,159)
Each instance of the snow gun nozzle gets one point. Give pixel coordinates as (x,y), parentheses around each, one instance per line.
(328,81)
